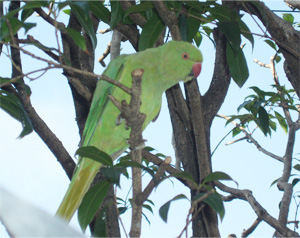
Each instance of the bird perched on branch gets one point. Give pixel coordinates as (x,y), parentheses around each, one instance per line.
(163,67)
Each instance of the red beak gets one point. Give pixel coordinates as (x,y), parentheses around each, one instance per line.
(197,69)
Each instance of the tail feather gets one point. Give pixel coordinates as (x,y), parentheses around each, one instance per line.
(78,187)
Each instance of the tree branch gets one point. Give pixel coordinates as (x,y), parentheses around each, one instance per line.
(53,143)
(51,21)
(138,19)
(131,33)
(251,228)
(135,119)
(283,34)
(171,170)
(169,18)
(215,95)
(259,210)
(30,40)
(142,197)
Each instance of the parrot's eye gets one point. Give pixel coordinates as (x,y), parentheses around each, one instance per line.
(185,56)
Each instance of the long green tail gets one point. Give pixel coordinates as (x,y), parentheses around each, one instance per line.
(80,183)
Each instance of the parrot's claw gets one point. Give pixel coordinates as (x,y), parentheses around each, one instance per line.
(119,119)
(139,146)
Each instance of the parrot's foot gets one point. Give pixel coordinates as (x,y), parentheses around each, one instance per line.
(140,146)
(120,119)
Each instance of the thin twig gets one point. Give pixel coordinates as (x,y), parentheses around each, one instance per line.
(104,31)
(250,137)
(193,210)
(104,55)
(75,70)
(251,228)
(142,197)
(259,210)
(59,25)
(171,170)
(169,18)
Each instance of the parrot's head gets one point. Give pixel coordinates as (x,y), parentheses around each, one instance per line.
(184,60)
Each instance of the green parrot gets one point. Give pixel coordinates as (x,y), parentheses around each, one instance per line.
(163,67)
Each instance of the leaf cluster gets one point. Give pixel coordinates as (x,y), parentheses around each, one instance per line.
(262,108)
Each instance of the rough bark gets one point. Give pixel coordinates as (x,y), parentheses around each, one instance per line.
(191,120)
(285,36)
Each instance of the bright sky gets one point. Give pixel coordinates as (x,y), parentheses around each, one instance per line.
(30,171)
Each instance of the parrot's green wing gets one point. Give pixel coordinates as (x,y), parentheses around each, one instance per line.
(100,99)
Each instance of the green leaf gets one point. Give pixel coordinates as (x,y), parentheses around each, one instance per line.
(62,5)
(28,8)
(295,181)
(91,203)
(151,31)
(282,121)
(207,30)
(272,44)
(198,39)
(185,175)
(243,105)
(116,13)
(297,167)
(4,80)
(122,210)
(146,218)
(263,118)
(161,155)
(288,17)
(26,13)
(125,164)
(143,6)
(258,91)
(216,176)
(246,32)
(149,149)
(148,207)
(35,4)
(174,6)
(237,65)
(232,32)
(13,106)
(274,182)
(113,174)
(27,26)
(67,11)
(150,201)
(273,125)
(193,26)
(94,153)
(215,201)
(164,209)
(236,131)
(81,11)
(99,229)
(100,11)
(183,28)
(77,37)
(223,13)
(15,25)
(277,59)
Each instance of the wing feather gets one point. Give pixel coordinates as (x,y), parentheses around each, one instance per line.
(100,99)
